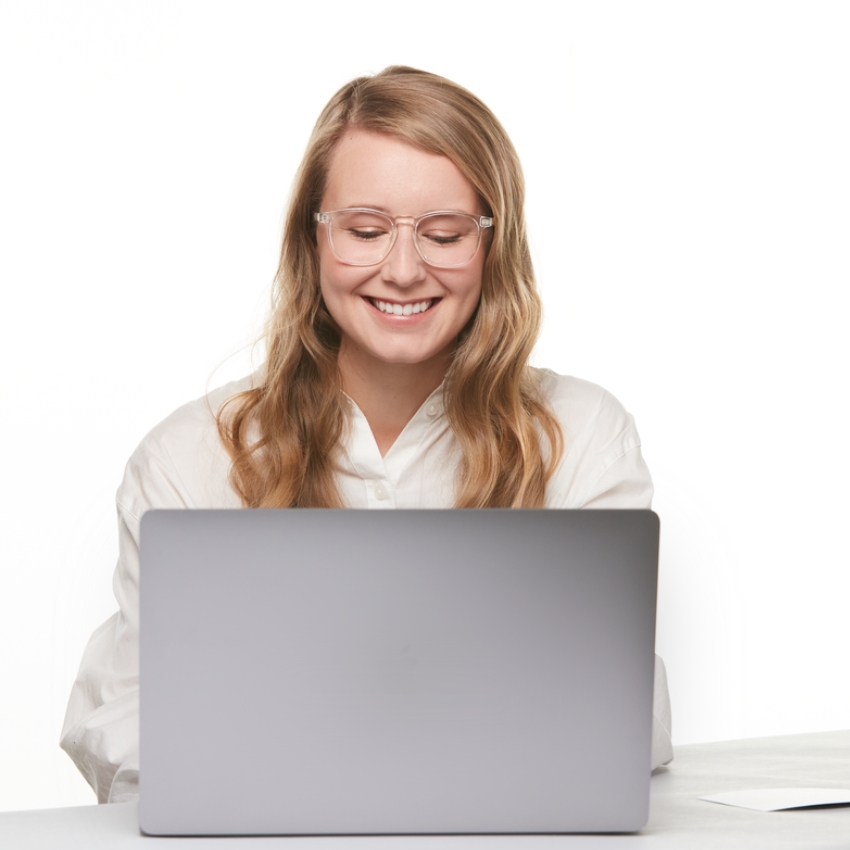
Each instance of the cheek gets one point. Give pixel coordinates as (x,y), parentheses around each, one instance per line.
(473,283)
(331,291)
(338,283)
(473,293)
(331,271)
(332,274)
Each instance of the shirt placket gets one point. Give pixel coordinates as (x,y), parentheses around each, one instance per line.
(370,466)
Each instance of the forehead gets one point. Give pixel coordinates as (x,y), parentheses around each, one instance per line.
(374,170)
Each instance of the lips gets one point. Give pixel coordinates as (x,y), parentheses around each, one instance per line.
(411,308)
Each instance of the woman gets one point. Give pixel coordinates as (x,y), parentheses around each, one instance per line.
(396,375)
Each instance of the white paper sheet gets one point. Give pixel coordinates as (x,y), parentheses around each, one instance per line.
(776,799)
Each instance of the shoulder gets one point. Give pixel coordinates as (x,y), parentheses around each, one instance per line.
(195,417)
(181,462)
(602,464)
(581,406)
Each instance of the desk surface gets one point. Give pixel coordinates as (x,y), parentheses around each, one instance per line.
(677,819)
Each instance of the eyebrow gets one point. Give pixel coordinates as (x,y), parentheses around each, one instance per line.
(367,207)
(386,211)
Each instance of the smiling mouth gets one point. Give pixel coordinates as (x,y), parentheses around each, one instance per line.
(410,309)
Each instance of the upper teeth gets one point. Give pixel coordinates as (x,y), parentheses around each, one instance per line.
(406,310)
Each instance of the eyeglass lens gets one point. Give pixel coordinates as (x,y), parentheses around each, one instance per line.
(365,238)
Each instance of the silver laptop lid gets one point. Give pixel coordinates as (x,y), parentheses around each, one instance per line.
(345,671)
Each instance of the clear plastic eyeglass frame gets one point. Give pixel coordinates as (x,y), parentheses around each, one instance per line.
(481,222)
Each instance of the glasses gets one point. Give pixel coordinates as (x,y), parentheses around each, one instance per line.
(363,237)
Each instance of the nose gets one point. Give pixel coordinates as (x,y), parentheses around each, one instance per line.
(403,265)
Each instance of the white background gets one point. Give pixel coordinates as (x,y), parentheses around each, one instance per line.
(688,184)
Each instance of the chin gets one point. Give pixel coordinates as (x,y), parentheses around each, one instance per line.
(406,359)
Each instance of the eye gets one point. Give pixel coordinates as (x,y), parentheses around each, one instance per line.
(362,225)
(365,235)
(439,238)
(446,230)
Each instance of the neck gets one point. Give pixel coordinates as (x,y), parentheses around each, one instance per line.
(389,394)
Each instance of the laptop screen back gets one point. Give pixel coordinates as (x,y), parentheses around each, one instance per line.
(344,671)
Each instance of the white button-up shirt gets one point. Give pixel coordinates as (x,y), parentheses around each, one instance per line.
(182,464)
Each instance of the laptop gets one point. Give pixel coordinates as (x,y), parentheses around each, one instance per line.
(342,672)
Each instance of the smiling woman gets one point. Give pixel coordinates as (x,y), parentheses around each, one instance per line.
(402,144)
(397,373)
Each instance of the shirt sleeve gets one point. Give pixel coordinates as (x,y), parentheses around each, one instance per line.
(179,464)
(662,742)
(101,729)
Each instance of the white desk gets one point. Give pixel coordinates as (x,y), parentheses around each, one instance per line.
(678,819)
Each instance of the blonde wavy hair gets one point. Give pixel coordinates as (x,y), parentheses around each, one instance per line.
(284,435)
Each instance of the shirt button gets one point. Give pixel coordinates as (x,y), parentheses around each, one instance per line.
(380,492)
(432,409)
